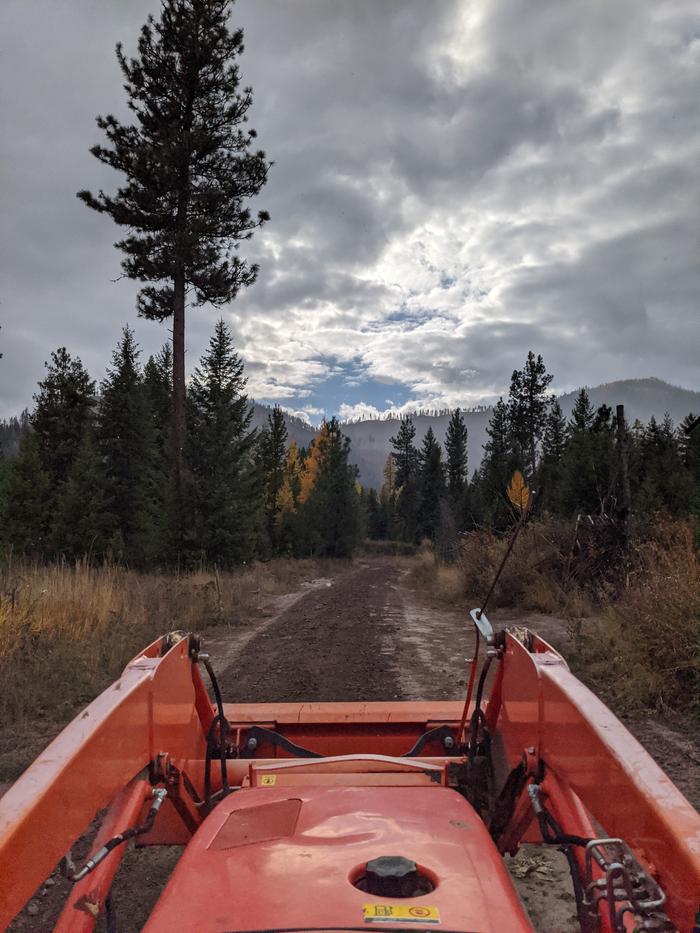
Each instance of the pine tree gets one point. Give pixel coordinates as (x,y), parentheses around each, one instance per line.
(666,482)
(582,413)
(330,514)
(554,437)
(158,386)
(431,485)
(126,442)
(387,497)
(404,453)
(407,462)
(190,170)
(273,452)
(64,410)
(690,451)
(158,383)
(588,462)
(527,407)
(497,468)
(222,448)
(549,474)
(84,524)
(26,501)
(689,442)
(376,517)
(456,450)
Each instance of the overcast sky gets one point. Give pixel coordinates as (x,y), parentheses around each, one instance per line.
(455,183)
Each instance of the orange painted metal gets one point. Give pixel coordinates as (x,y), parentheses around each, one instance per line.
(157,714)
(301,877)
(589,750)
(86,899)
(349,728)
(151,707)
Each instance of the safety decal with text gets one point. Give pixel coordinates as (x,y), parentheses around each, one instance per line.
(417,913)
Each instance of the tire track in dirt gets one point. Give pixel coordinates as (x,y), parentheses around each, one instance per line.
(337,642)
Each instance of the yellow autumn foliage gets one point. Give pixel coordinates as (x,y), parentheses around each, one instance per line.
(312,464)
(517,491)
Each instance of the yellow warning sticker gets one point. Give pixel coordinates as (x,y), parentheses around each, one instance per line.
(378,913)
(268,780)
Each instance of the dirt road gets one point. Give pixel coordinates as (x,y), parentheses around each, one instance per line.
(361,636)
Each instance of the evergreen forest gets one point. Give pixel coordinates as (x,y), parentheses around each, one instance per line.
(89,472)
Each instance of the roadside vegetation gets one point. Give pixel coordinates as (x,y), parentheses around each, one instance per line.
(635,642)
(68,630)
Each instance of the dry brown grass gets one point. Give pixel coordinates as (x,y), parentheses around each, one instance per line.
(67,631)
(536,577)
(638,645)
(642,652)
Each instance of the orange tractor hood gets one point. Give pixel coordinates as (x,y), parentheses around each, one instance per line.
(285,858)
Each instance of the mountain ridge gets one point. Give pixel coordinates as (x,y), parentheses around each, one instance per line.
(370,437)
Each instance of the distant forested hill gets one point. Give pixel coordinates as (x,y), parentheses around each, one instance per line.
(370,442)
(299,431)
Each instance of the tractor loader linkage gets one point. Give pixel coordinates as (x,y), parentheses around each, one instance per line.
(344,816)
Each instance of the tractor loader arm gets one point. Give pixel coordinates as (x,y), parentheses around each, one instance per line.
(591,771)
(151,708)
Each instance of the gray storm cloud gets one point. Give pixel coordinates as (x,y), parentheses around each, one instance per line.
(454,183)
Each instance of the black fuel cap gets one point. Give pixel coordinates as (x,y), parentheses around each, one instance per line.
(391,876)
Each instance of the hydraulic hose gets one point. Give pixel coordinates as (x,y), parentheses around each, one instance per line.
(477,714)
(222,722)
(159,795)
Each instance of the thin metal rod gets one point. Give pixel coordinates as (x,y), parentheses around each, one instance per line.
(521,521)
(472,677)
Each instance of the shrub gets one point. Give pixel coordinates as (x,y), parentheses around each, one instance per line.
(643,651)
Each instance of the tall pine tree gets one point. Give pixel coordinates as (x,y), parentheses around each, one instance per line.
(431,486)
(189,170)
(330,514)
(528,403)
(222,446)
(158,386)
(126,442)
(456,450)
(27,501)
(496,470)
(64,409)
(273,453)
(84,524)
(578,478)
(407,463)
(549,474)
